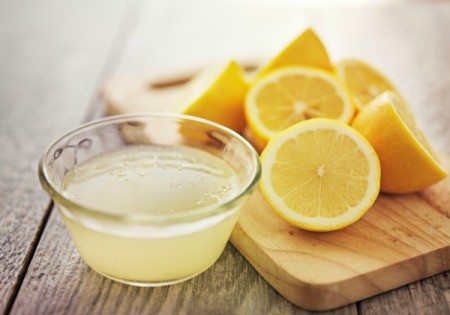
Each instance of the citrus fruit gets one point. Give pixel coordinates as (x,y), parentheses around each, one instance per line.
(216,94)
(363,81)
(305,50)
(320,175)
(408,163)
(289,95)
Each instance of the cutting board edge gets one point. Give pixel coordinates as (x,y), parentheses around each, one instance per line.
(328,296)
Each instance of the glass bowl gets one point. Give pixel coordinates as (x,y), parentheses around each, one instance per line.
(150,199)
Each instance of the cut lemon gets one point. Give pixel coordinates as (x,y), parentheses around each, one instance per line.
(305,50)
(363,81)
(320,175)
(217,94)
(289,95)
(408,163)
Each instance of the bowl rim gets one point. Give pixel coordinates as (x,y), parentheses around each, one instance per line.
(72,206)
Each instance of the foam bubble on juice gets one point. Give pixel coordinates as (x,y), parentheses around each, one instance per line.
(151,179)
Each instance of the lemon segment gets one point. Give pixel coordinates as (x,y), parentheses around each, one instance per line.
(363,81)
(292,94)
(408,163)
(216,94)
(320,175)
(305,50)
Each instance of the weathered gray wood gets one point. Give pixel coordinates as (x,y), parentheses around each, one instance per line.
(428,296)
(50,57)
(57,281)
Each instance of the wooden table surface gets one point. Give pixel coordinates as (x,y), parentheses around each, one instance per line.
(54,55)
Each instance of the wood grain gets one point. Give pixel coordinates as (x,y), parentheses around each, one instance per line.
(49,64)
(424,294)
(400,240)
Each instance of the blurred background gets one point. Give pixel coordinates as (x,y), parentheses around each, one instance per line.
(57,53)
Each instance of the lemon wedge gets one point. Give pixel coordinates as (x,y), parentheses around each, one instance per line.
(305,50)
(217,94)
(363,81)
(408,163)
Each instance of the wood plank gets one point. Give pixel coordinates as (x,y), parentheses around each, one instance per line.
(426,295)
(50,59)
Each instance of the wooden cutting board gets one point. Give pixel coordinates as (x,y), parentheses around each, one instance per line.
(401,239)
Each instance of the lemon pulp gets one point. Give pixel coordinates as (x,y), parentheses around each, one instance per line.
(363,81)
(289,95)
(320,175)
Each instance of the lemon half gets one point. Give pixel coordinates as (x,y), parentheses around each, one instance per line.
(320,175)
(289,95)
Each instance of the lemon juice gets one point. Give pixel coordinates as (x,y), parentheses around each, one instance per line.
(156,191)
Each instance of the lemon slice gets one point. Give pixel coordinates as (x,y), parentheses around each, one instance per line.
(217,94)
(363,81)
(305,50)
(320,175)
(408,163)
(289,95)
